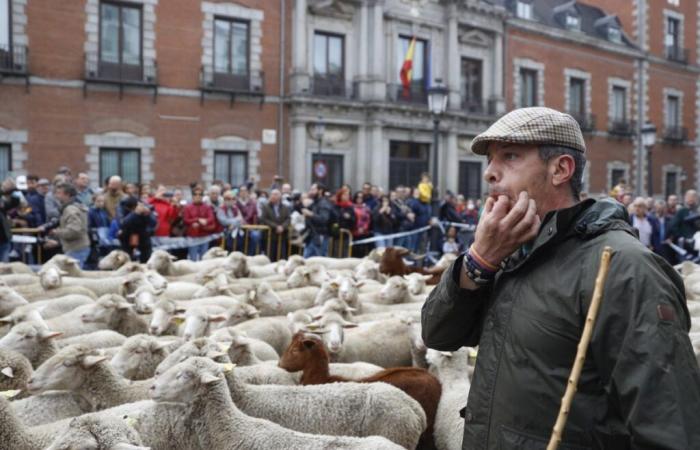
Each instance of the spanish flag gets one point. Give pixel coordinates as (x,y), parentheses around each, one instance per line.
(407,68)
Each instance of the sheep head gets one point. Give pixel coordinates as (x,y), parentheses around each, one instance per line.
(331,325)
(66,370)
(9,300)
(204,347)
(114,260)
(50,277)
(98,432)
(134,352)
(26,338)
(104,309)
(185,381)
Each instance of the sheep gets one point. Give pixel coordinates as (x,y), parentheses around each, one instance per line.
(71,323)
(273,330)
(15,370)
(113,312)
(15,267)
(245,351)
(418,347)
(164,319)
(140,354)
(100,286)
(288,301)
(219,424)
(308,354)
(312,275)
(416,283)
(214,252)
(34,292)
(452,370)
(98,432)
(335,263)
(32,340)
(9,300)
(396,291)
(385,343)
(204,347)
(166,264)
(15,435)
(292,263)
(114,260)
(47,309)
(71,268)
(199,321)
(268,270)
(86,372)
(96,339)
(369,270)
(18,279)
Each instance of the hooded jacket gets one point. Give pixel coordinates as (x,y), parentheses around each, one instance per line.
(640,384)
(73,227)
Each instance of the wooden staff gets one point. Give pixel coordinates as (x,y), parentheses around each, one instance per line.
(558,430)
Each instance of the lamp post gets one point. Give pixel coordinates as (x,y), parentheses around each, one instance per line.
(648,141)
(437,104)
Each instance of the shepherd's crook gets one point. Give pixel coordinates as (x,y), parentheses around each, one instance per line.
(555,440)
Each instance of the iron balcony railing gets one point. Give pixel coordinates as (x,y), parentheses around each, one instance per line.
(211,80)
(143,74)
(13,60)
(414,93)
(622,127)
(585,120)
(677,54)
(675,134)
(328,86)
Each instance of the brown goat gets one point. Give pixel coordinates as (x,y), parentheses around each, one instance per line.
(392,264)
(308,354)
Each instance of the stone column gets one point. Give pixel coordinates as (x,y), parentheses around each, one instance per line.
(450,162)
(298,155)
(299,79)
(379,160)
(452,60)
(376,52)
(362,166)
(497,75)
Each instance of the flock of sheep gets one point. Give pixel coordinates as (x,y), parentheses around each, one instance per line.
(230,352)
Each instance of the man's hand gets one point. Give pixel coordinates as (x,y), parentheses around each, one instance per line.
(503,227)
(202,221)
(307,212)
(280,229)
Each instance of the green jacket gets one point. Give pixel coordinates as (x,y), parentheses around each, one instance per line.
(640,385)
(72,229)
(679,227)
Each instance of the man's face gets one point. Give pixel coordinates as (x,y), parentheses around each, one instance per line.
(61,196)
(672,201)
(627,199)
(82,181)
(275,197)
(366,188)
(31,184)
(114,185)
(286,188)
(375,191)
(313,191)
(43,189)
(514,168)
(660,210)
(691,199)
(214,196)
(243,194)
(640,209)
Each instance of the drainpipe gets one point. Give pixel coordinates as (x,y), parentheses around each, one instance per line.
(281,104)
(641,32)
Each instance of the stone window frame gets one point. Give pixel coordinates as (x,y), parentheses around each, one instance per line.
(18,154)
(230,143)
(670,14)
(627,85)
(233,11)
(148,30)
(671,92)
(527,63)
(18,23)
(119,139)
(580,74)
(672,168)
(616,165)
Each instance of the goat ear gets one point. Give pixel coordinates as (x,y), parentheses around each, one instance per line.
(217,318)
(90,360)
(207,378)
(8,372)
(308,343)
(46,334)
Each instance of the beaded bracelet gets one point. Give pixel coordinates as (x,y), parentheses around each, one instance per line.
(476,272)
(482,262)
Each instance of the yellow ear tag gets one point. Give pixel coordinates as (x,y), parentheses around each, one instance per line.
(224,347)
(473,352)
(228,367)
(178,320)
(11,393)
(130,421)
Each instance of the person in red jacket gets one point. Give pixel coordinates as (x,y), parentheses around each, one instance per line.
(200,221)
(166,212)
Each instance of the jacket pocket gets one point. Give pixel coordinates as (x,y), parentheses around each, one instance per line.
(511,439)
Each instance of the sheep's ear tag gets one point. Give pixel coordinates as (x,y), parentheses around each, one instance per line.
(228,367)
(224,347)
(178,320)
(130,421)
(8,372)
(10,393)
(473,352)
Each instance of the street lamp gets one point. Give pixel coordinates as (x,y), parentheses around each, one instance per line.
(437,104)
(648,141)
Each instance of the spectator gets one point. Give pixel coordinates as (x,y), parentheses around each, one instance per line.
(422,214)
(36,199)
(146,193)
(177,229)
(276,216)
(287,196)
(199,222)
(663,219)
(369,198)
(249,209)
(405,216)
(363,222)
(619,190)
(277,182)
(10,200)
(114,195)
(165,211)
(425,188)
(345,210)
(214,196)
(72,230)
(98,225)
(626,200)
(451,245)
(132,190)
(384,221)
(646,225)
(318,218)
(448,209)
(672,204)
(32,180)
(229,218)
(680,227)
(52,206)
(66,173)
(85,192)
(137,227)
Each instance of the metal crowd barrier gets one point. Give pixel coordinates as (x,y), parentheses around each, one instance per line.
(341,247)
(28,236)
(246,236)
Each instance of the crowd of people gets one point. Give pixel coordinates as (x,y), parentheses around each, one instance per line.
(87,223)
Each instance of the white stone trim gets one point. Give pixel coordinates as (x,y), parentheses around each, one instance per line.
(672,168)
(233,11)
(667,92)
(619,82)
(616,165)
(670,14)
(16,139)
(119,139)
(18,22)
(526,63)
(580,74)
(92,30)
(586,184)
(230,143)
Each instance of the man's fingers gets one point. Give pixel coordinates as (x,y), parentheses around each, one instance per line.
(525,224)
(517,212)
(488,205)
(500,207)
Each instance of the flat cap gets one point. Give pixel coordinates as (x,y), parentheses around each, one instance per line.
(536,125)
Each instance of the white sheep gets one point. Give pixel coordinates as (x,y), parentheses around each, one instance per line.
(369,270)
(140,354)
(15,370)
(15,267)
(115,313)
(303,275)
(32,340)
(452,369)
(165,312)
(200,321)
(71,267)
(95,340)
(47,309)
(246,351)
(17,279)
(288,301)
(167,264)
(33,292)
(204,347)
(86,372)
(9,300)
(114,260)
(214,252)
(93,431)
(273,330)
(416,283)
(396,291)
(219,423)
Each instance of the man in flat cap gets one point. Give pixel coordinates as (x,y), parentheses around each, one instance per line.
(522,292)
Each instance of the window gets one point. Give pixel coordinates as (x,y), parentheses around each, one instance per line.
(329,64)
(573,22)
(673,31)
(528,87)
(5,161)
(125,162)
(577,97)
(615,34)
(523,10)
(120,40)
(619,104)
(616,175)
(407,161)
(231,39)
(470,178)
(673,111)
(5,25)
(671,187)
(330,169)
(231,167)
(471,84)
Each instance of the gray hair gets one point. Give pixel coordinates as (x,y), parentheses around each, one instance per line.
(548,152)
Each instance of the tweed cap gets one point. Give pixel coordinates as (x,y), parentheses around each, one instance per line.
(536,125)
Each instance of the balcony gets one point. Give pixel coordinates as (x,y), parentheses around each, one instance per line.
(585,121)
(676,54)
(232,85)
(416,94)
(622,127)
(478,106)
(675,134)
(144,75)
(13,62)
(333,87)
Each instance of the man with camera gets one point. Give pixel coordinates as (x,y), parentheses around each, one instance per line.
(72,227)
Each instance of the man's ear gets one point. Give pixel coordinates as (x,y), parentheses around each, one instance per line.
(562,168)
